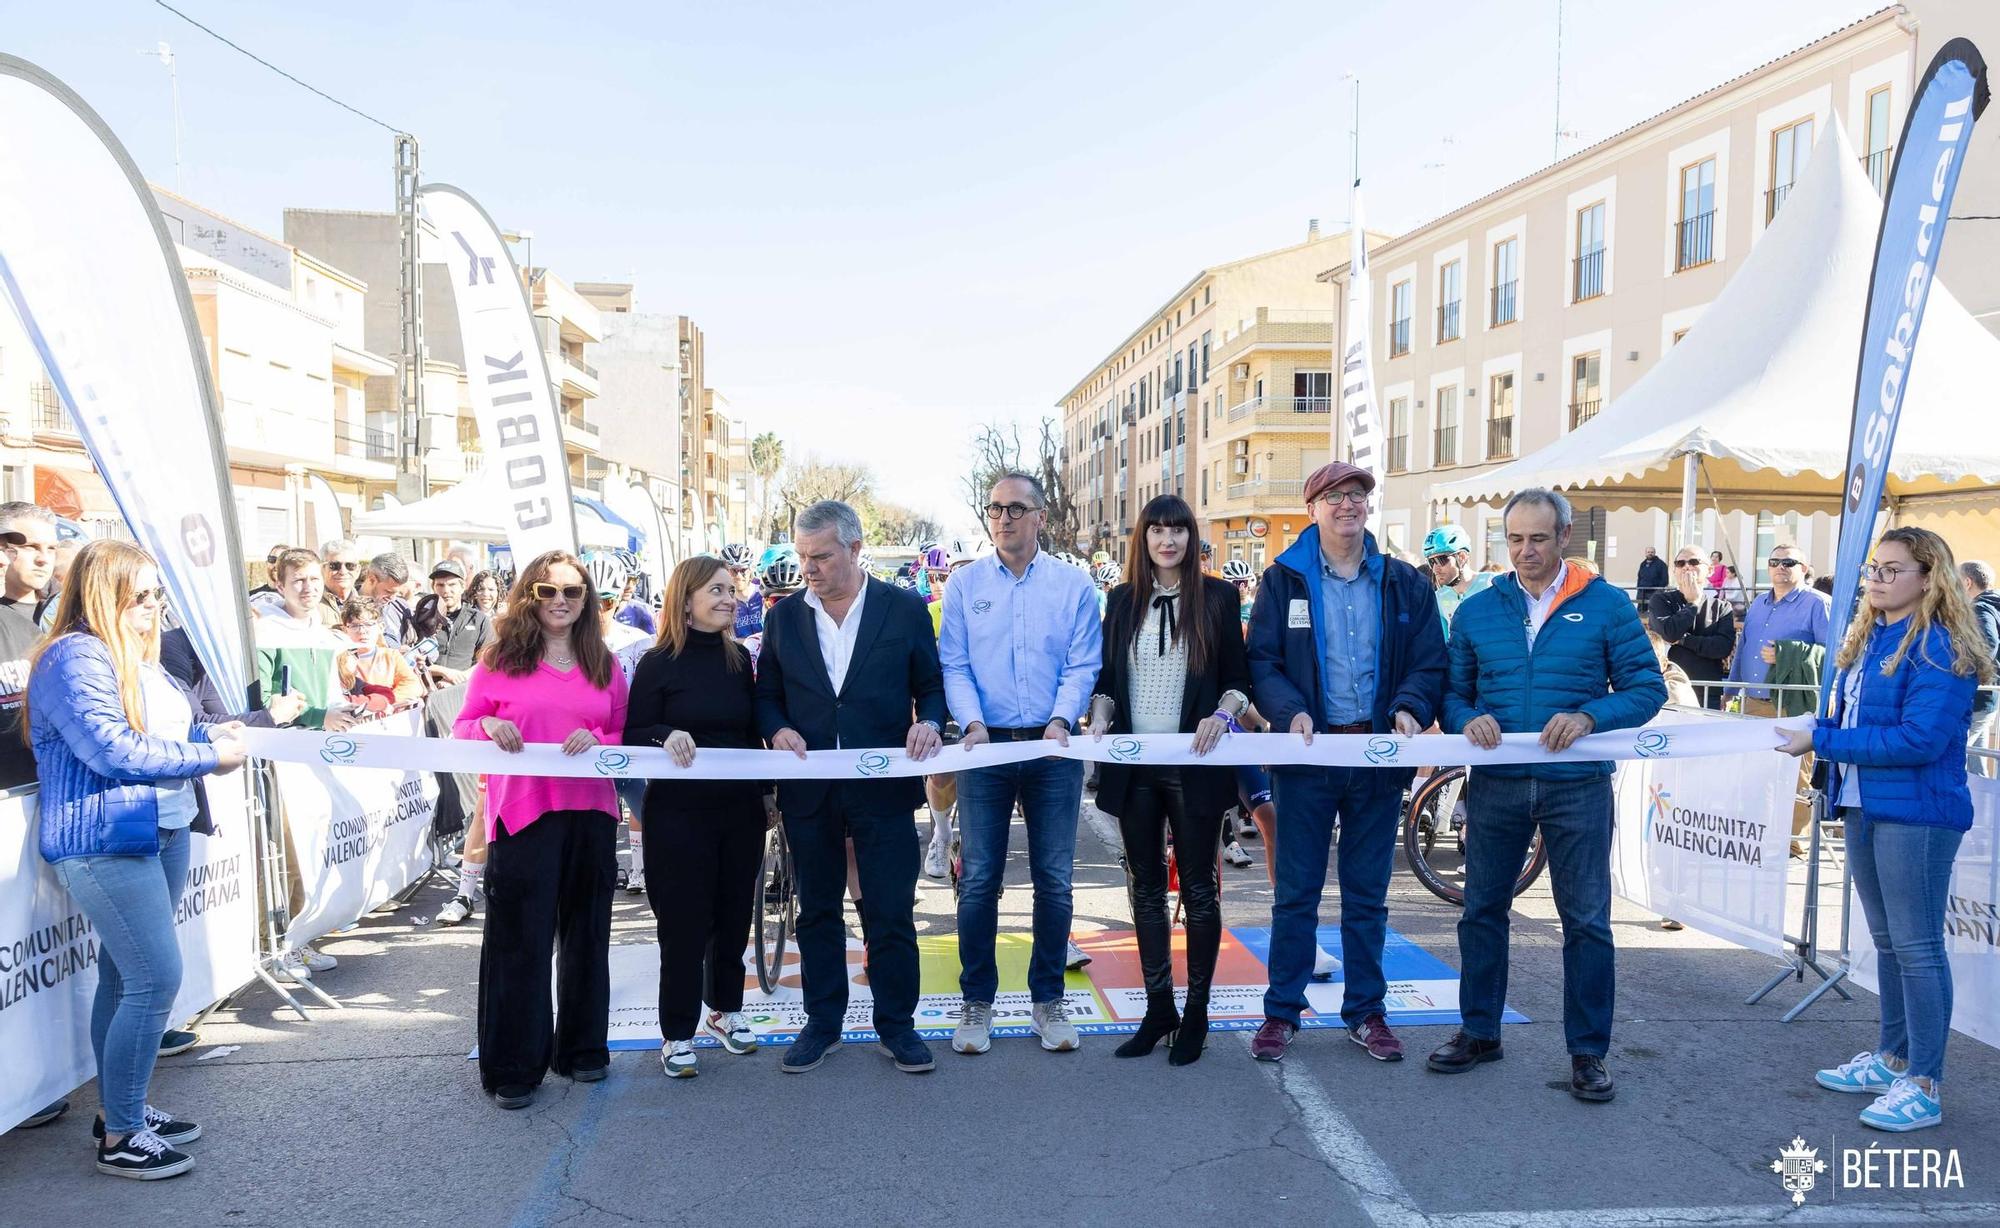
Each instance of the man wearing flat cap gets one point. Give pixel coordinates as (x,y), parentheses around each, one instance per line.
(1343,641)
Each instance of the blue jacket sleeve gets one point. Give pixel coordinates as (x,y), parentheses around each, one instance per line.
(1461,684)
(1423,686)
(1277,699)
(1638,690)
(77,686)
(1934,709)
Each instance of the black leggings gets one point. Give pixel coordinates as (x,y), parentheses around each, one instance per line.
(1155,804)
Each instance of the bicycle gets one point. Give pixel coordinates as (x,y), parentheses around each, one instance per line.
(777,907)
(1437,812)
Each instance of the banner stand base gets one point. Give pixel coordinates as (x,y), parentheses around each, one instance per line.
(1805,950)
(278,987)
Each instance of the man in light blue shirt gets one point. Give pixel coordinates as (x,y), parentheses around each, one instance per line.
(1353,606)
(1020,646)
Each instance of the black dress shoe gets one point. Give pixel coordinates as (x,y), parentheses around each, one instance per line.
(1462,1052)
(514,1095)
(591,1074)
(1589,1080)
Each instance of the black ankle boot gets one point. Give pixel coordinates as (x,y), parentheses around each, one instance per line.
(1160,1023)
(1193,1035)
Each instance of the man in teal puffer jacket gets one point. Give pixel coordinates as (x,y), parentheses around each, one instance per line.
(1550,649)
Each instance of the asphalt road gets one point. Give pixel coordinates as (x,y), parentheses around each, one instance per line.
(372,1115)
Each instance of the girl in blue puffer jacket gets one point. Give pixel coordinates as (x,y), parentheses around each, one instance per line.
(1896,747)
(117,750)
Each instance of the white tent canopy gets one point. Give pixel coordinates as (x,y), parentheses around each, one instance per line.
(1760,394)
(473,511)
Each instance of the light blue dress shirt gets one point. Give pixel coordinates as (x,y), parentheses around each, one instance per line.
(1353,613)
(1019,652)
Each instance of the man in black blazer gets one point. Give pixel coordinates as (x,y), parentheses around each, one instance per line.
(849,663)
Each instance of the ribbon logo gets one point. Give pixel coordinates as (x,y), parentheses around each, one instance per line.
(1651,744)
(874,763)
(613,762)
(339,750)
(1126,750)
(980,607)
(1382,750)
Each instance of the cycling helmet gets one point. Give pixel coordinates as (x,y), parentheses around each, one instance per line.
(1067,559)
(1445,539)
(1108,573)
(907,580)
(736,556)
(782,575)
(607,573)
(1236,571)
(938,558)
(1207,551)
(1100,556)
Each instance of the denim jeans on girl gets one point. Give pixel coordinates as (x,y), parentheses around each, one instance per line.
(1902,872)
(130,902)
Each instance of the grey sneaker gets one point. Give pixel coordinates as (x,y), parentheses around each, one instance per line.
(974,1033)
(677,1060)
(733,1030)
(1050,1021)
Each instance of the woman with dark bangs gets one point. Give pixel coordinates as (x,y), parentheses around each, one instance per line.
(1174,662)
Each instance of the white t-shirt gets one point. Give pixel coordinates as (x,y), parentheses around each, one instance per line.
(628,644)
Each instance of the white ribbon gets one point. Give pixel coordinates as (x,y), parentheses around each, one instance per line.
(368,747)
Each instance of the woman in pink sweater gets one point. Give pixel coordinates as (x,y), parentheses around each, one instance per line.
(546,677)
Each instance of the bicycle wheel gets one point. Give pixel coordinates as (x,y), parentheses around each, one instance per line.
(777,907)
(1436,829)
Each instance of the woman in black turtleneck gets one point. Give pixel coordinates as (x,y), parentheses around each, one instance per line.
(704,838)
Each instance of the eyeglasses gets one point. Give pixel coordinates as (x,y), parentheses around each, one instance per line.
(1332,498)
(1889,573)
(549,592)
(340,565)
(1439,560)
(1687,562)
(150,596)
(1788,563)
(1012,511)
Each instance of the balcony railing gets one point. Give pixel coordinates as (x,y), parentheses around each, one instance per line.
(1448,321)
(49,413)
(579,364)
(1500,437)
(1280,405)
(1268,488)
(1877,167)
(1444,449)
(1587,275)
(1399,337)
(1396,457)
(379,444)
(1501,308)
(472,461)
(1694,241)
(1581,412)
(1774,200)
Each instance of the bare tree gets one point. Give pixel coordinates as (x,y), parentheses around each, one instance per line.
(810,479)
(996,450)
(892,524)
(1064,518)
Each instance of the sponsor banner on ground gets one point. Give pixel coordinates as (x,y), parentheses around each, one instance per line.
(1971,923)
(358,835)
(1106,996)
(1705,842)
(48,949)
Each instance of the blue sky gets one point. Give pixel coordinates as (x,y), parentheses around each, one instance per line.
(894,221)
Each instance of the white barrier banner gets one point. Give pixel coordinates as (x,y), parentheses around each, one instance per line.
(1681,739)
(1706,843)
(48,950)
(359,835)
(1971,923)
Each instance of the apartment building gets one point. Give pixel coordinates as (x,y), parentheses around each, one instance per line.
(637,410)
(1513,320)
(568,322)
(1221,395)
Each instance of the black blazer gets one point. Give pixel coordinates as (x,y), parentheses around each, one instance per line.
(1205,790)
(892,681)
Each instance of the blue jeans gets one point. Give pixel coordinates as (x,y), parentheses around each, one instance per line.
(1051,796)
(130,902)
(1364,802)
(1902,872)
(1575,816)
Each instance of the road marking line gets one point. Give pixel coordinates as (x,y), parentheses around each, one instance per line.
(1358,1166)
(1779,1210)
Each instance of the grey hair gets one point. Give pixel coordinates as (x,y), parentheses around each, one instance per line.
(17,510)
(829,513)
(392,567)
(338,545)
(1544,497)
(1034,484)
(1979,572)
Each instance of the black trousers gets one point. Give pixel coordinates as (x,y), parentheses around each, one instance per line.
(548,892)
(1155,805)
(701,879)
(888,855)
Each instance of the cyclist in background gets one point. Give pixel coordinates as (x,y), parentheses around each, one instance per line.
(749,601)
(1448,553)
(1107,576)
(607,575)
(1237,572)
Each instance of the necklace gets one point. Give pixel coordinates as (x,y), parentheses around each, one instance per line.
(557,658)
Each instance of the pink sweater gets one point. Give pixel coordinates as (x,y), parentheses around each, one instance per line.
(547,706)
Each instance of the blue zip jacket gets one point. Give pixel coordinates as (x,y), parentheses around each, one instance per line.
(97,797)
(1285,658)
(1909,734)
(1591,656)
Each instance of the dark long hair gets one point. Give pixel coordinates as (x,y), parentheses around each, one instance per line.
(1191,619)
(516,648)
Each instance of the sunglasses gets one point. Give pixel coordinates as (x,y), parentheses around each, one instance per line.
(1436,560)
(150,596)
(1687,562)
(549,592)
(1782,562)
(337,565)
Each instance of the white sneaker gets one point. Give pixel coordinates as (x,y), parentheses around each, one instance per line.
(293,967)
(635,882)
(935,864)
(1324,964)
(455,910)
(1076,957)
(1050,1021)
(318,961)
(1233,854)
(733,1030)
(974,1033)
(677,1060)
